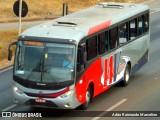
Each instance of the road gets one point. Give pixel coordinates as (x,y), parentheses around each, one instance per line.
(14,26)
(142,93)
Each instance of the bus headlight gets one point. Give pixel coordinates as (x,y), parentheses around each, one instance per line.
(67,94)
(17,90)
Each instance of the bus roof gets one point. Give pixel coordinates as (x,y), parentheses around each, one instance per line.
(80,24)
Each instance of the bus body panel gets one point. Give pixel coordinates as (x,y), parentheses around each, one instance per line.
(143,45)
(103,73)
(88,77)
(111,67)
(115,74)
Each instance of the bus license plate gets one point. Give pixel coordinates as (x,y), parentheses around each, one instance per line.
(40,100)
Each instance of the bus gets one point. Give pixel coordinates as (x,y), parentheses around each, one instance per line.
(68,61)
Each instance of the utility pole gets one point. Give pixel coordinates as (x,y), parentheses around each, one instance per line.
(65,9)
(20,16)
(20,9)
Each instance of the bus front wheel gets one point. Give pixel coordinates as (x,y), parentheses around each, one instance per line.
(88,99)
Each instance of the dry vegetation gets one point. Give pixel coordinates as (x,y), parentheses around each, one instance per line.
(45,8)
(37,9)
(5,38)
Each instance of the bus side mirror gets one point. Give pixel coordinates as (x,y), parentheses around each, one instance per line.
(9,55)
(10,51)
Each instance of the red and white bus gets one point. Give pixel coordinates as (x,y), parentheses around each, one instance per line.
(67,62)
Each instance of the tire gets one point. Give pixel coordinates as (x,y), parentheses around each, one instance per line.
(126,76)
(88,99)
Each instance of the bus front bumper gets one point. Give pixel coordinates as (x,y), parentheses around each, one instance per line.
(68,102)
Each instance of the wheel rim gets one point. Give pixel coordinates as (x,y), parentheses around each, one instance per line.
(127,76)
(88,97)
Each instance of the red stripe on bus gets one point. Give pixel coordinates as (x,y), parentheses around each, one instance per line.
(99,27)
(111,67)
(54,95)
(106,70)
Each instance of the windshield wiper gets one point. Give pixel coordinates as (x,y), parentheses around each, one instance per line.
(37,68)
(52,76)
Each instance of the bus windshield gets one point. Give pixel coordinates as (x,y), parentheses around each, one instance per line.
(44,62)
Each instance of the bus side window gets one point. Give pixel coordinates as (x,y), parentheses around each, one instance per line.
(140,25)
(123,33)
(132,29)
(80,56)
(113,38)
(146,22)
(92,48)
(101,43)
(107,41)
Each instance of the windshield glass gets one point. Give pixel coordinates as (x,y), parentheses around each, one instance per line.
(46,63)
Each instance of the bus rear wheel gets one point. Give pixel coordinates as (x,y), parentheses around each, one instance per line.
(126,76)
(88,99)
